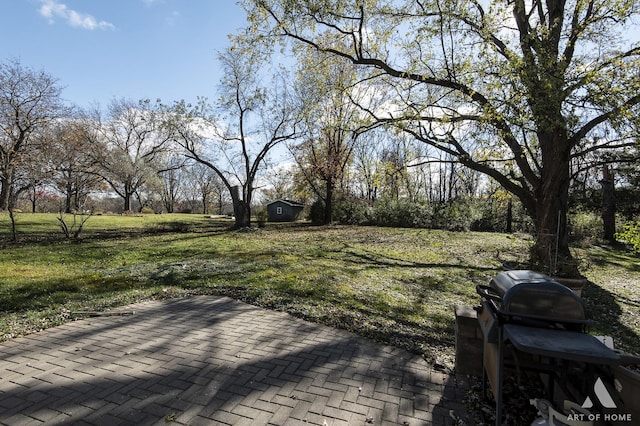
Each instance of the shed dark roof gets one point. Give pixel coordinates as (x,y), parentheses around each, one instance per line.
(291,203)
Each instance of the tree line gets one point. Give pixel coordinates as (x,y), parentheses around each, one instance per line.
(531,102)
(518,91)
(156,156)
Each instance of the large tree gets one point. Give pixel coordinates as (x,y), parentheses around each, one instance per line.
(235,138)
(29,102)
(325,92)
(203,186)
(73,169)
(171,180)
(127,144)
(529,81)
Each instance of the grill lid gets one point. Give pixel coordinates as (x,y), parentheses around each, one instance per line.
(535,295)
(504,281)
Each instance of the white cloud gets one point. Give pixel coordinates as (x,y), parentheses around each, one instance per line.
(51,9)
(173,18)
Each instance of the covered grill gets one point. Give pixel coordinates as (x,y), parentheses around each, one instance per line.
(531,298)
(537,317)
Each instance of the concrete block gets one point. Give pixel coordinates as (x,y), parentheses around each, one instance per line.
(469,342)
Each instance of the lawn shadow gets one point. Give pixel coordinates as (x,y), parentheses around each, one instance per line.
(55,236)
(618,256)
(603,306)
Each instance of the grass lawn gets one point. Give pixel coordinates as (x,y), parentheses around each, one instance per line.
(397,286)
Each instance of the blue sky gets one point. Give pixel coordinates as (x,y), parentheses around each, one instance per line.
(105,49)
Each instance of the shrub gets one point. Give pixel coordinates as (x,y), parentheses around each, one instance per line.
(73,229)
(401,213)
(261,217)
(352,212)
(461,214)
(457,215)
(316,212)
(585,226)
(630,235)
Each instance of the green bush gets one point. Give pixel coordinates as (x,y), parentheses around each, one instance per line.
(261,217)
(352,212)
(461,214)
(457,215)
(491,215)
(630,235)
(316,212)
(585,226)
(401,213)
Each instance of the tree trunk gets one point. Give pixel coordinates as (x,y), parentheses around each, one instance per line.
(67,201)
(241,209)
(509,216)
(243,215)
(127,202)
(204,204)
(452,174)
(5,191)
(551,252)
(328,205)
(14,233)
(34,200)
(608,204)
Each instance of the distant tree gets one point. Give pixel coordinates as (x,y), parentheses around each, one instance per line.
(127,144)
(391,165)
(249,123)
(530,81)
(171,189)
(325,93)
(151,194)
(366,164)
(32,175)
(627,169)
(608,181)
(73,166)
(394,170)
(281,184)
(171,180)
(205,186)
(29,102)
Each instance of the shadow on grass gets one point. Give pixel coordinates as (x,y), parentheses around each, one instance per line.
(53,235)
(316,283)
(37,295)
(618,256)
(379,260)
(604,307)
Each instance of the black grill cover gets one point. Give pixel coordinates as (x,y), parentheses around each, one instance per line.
(536,295)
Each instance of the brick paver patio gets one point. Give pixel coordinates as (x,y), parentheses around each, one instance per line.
(209,360)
